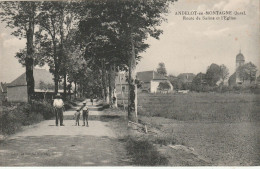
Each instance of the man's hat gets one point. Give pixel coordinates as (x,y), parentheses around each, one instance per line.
(84,103)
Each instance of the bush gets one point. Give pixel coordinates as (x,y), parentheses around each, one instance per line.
(67,105)
(72,103)
(15,116)
(43,108)
(106,106)
(225,89)
(237,88)
(79,99)
(9,123)
(255,89)
(144,153)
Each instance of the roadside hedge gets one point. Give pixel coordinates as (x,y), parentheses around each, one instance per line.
(13,117)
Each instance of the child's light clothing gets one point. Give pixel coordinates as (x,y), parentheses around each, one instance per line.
(77,117)
(85,115)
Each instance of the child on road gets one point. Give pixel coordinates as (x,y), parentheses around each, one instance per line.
(77,116)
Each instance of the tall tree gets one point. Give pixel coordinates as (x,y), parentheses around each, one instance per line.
(162,69)
(21,16)
(247,72)
(67,25)
(213,74)
(55,24)
(176,82)
(224,72)
(121,27)
(136,20)
(49,37)
(198,82)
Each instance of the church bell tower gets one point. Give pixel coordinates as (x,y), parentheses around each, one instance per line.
(240,61)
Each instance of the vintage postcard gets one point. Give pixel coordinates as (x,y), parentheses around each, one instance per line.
(129,83)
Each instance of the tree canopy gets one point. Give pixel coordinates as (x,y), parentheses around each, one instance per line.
(21,16)
(164,86)
(162,69)
(247,72)
(86,40)
(213,74)
(224,72)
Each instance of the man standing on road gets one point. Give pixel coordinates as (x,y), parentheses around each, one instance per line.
(58,108)
(85,114)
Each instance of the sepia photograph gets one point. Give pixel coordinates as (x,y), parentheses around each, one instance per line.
(129,83)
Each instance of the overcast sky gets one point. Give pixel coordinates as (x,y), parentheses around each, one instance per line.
(184,47)
(191,46)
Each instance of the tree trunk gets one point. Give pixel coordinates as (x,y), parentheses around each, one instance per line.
(107,97)
(122,92)
(104,82)
(82,90)
(107,86)
(63,56)
(115,96)
(56,76)
(113,80)
(75,90)
(29,58)
(110,85)
(70,90)
(29,78)
(56,66)
(132,93)
(79,90)
(65,86)
(103,94)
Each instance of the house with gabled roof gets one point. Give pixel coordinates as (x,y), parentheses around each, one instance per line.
(43,84)
(150,81)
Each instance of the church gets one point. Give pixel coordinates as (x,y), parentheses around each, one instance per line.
(235,79)
(240,61)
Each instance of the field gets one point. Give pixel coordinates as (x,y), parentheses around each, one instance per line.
(210,107)
(222,128)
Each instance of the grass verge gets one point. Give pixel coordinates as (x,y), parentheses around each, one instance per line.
(140,147)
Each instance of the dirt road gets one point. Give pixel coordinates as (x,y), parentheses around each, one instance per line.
(45,144)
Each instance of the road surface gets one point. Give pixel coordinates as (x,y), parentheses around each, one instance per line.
(45,144)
